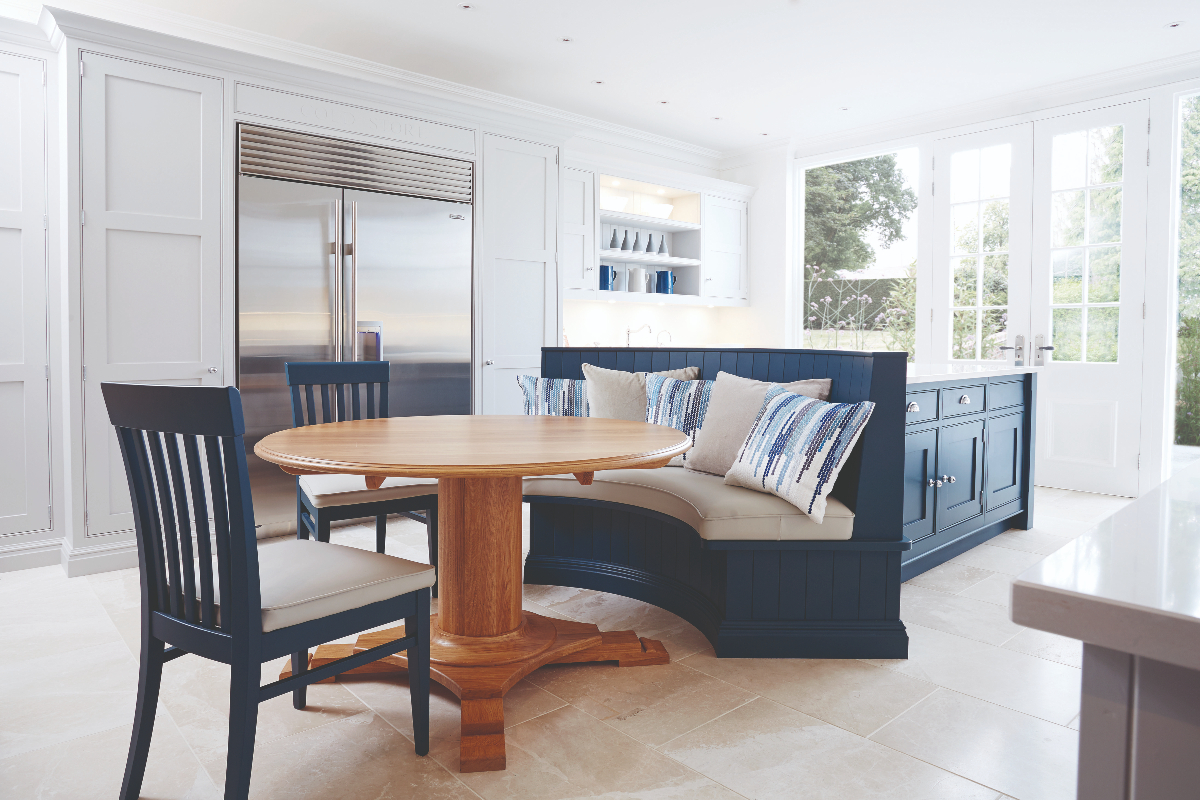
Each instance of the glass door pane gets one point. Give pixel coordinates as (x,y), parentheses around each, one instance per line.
(981,253)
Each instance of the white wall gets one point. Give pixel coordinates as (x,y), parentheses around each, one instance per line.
(603,324)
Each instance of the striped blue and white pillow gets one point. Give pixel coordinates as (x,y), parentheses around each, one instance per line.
(797,447)
(553,397)
(677,404)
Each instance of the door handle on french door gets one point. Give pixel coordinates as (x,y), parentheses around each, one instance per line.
(1039,349)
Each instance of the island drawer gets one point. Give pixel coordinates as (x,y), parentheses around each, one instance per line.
(1006,395)
(920,406)
(962,400)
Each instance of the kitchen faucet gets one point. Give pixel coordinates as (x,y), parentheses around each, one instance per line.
(658,341)
(630,331)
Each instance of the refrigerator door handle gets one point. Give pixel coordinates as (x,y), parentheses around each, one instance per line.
(339,247)
(352,305)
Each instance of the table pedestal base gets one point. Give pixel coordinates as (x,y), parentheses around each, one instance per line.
(481,670)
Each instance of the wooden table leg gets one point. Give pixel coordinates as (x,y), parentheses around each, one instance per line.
(482,643)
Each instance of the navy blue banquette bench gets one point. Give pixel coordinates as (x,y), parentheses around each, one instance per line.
(801,599)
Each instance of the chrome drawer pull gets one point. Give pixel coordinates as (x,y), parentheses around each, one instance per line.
(913,408)
(965,400)
(933,482)
(948,479)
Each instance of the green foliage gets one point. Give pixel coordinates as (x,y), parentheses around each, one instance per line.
(843,202)
(900,331)
(1187,386)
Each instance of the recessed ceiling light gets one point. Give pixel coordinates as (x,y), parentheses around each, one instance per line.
(1175,24)
(663,102)
(598,83)
(765,134)
(466,6)
(844,108)
(566,39)
(717,118)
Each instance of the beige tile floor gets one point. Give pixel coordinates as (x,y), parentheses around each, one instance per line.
(982,708)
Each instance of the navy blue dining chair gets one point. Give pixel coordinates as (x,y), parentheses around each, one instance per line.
(185,462)
(333,391)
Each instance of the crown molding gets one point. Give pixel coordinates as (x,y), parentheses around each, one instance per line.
(1137,77)
(74,17)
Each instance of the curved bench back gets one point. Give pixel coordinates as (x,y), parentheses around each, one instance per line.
(871,483)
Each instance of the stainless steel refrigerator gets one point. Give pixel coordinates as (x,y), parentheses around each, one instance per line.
(335,273)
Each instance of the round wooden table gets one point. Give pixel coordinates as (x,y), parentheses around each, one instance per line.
(482,642)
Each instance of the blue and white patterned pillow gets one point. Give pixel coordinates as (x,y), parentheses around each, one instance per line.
(797,447)
(553,397)
(677,404)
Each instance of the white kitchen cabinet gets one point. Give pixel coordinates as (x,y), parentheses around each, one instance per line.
(577,248)
(151,165)
(24,391)
(518,276)
(723,258)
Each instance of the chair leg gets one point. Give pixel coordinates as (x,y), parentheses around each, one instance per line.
(322,527)
(300,664)
(301,523)
(418,672)
(431,533)
(149,680)
(243,718)
(380,532)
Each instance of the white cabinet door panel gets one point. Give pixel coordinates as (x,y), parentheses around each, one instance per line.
(150,140)
(578,248)
(723,263)
(518,277)
(24,399)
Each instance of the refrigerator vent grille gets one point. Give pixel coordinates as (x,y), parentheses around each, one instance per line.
(291,156)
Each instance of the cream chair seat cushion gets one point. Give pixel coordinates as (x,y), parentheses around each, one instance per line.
(303,579)
(345,490)
(716,511)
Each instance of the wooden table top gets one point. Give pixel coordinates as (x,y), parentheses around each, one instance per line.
(481,445)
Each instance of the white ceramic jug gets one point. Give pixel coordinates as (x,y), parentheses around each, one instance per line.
(635,280)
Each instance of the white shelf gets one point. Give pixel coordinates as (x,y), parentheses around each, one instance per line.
(651,259)
(647,298)
(647,223)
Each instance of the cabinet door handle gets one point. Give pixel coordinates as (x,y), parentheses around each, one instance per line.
(965,400)
(488,363)
(933,482)
(913,408)
(212,370)
(948,479)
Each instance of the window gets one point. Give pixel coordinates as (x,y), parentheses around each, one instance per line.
(1187,326)
(980,182)
(860,254)
(1085,243)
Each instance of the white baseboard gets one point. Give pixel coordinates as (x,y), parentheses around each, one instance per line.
(96,558)
(27,555)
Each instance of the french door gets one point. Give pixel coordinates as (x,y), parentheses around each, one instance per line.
(1039,259)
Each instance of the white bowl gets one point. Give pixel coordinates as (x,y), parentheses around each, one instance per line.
(614,203)
(660,210)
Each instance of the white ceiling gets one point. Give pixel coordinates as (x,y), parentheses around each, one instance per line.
(776,67)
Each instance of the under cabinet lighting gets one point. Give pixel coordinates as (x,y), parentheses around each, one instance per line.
(662,304)
(709,306)
(616,183)
(661,191)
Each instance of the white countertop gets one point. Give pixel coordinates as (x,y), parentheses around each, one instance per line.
(1132,583)
(933,373)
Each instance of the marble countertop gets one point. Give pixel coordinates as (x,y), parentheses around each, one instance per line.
(934,373)
(1132,583)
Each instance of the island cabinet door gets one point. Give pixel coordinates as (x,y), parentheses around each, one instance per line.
(920,455)
(1005,459)
(960,469)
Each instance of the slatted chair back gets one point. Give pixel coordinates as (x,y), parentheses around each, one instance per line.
(186,466)
(346,390)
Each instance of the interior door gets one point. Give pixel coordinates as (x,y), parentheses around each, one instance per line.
(519,274)
(150,147)
(982,206)
(24,400)
(1089,258)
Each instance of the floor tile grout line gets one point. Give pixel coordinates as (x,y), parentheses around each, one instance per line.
(714,719)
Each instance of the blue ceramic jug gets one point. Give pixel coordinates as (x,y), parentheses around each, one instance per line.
(664,282)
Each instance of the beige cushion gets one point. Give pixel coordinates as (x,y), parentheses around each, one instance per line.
(733,406)
(344,490)
(303,579)
(716,511)
(613,394)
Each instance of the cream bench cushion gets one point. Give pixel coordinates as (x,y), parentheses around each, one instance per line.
(303,579)
(344,490)
(716,511)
